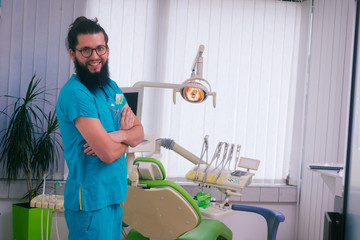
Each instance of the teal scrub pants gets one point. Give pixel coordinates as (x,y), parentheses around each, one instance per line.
(105,223)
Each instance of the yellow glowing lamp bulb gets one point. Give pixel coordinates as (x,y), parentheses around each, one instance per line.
(193,94)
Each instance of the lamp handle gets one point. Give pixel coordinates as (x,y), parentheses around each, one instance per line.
(174,96)
(214,99)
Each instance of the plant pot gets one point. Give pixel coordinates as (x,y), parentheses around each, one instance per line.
(26,222)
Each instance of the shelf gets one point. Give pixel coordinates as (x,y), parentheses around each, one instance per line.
(333,179)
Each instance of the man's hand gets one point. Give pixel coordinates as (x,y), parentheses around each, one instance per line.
(98,141)
(127,118)
(127,122)
(88,150)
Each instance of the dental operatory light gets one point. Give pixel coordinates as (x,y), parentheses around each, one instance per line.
(195,89)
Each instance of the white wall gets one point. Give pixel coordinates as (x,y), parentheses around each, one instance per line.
(244,225)
(251,226)
(327,107)
(6,218)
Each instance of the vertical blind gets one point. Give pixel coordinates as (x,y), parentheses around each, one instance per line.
(250,60)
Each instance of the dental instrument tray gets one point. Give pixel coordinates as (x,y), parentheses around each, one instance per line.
(218,172)
(225,179)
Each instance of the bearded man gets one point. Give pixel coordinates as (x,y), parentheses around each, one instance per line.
(97,126)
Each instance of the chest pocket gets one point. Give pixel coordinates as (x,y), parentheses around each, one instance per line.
(115,106)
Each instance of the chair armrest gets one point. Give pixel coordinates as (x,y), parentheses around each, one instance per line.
(265,212)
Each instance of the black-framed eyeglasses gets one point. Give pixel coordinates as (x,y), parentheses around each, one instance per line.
(87,52)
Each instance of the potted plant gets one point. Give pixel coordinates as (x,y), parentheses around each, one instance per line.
(29,144)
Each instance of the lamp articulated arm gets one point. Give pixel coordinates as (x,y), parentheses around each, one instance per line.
(195,89)
(175,87)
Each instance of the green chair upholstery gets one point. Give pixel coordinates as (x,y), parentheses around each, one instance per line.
(208,229)
(162,209)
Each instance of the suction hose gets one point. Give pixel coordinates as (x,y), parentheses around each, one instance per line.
(170,144)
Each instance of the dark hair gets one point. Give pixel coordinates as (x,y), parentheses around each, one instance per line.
(83,25)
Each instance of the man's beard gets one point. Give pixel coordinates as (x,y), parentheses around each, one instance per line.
(92,80)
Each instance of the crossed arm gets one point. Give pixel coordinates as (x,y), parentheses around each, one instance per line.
(110,146)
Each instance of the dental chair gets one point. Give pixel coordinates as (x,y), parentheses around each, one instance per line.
(272,217)
(156,208)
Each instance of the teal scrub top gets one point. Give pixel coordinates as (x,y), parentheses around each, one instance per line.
(91,183)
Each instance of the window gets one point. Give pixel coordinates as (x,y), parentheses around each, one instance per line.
(250,59)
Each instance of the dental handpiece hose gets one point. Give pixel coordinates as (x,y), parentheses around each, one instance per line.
(170,144)
(186,154)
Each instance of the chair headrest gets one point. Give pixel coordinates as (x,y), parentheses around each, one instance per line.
(150,168)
